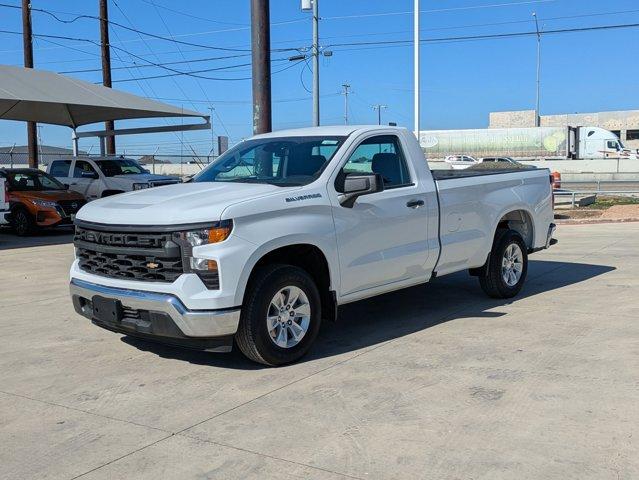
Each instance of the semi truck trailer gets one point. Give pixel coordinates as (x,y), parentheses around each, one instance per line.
(548,143)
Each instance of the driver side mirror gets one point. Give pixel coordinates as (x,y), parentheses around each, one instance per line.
(92,175)
(356,185)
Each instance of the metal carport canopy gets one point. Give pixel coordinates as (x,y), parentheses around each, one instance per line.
(46,97)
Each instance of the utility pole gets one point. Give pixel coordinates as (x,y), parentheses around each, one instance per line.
(416,65)
(345,93)
(261,65)
(316,53)
(27,42)
(537,113)
(212,151)
(379,108)
(106,68)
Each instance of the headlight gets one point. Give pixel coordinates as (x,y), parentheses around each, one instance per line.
(140,186)
(44,203)
(218,232)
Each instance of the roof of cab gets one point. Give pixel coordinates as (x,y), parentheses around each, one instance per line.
(332,130)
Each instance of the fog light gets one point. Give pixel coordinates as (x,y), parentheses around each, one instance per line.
(203,264)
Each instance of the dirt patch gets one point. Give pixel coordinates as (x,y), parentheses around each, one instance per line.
(578,214)
(617,212)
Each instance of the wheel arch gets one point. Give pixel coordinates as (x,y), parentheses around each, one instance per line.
(521,221)
(303,254)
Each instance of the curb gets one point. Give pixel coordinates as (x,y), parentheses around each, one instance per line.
(594,221)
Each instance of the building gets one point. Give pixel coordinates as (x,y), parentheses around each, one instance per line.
(625,124)
(19,155)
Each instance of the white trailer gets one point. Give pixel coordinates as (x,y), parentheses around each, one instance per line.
(549,143)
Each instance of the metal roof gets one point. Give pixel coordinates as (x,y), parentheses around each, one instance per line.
(46,97)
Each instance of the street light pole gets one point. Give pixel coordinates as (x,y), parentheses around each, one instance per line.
(416,65)
(537,113)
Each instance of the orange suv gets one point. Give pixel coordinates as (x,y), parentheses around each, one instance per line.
(37,200)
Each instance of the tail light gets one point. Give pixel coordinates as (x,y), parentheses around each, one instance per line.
(6,192)
(552,188)
(555,180)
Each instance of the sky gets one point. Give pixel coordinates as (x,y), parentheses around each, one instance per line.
(462,81)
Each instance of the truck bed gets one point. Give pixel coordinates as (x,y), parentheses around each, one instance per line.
(479,170)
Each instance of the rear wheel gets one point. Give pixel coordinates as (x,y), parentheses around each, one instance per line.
(281,315)
(507,266)
(23,222)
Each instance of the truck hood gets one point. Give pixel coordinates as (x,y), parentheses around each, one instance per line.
(177,204)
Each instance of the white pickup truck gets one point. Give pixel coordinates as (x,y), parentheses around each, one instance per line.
(98,177)
(4,203)
(283,228)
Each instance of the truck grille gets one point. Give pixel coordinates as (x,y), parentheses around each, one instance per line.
(151,257)
(70,207)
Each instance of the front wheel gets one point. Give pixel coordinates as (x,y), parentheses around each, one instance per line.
(507,266)
(281,315)
(23,222)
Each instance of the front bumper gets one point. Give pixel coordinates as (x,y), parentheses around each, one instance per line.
(158,316)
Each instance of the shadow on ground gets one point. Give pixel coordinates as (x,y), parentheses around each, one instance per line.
(9,240)
(377,320)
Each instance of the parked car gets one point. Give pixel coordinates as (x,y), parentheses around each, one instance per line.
(4,202)
(283,228)
(37,200)
(459,162)
(97,177)
(501,160)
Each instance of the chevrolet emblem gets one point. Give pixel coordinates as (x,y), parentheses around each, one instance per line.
(152,265)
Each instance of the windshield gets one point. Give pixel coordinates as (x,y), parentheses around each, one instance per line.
(32,181)
(289,161)
(124,166)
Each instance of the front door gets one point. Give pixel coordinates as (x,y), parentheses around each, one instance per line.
(383,238)
(85,179)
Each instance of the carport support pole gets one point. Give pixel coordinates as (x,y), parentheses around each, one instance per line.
(261,65)
(106,69)
(32,132)
(74,140)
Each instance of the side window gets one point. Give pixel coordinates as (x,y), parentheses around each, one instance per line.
(82,167)
(383,155)
(612,144)
(60,168)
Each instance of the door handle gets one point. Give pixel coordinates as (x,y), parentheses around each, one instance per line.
(415,203)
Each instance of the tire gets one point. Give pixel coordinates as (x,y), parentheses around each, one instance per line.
(507,243)
(257,337)
(22,222)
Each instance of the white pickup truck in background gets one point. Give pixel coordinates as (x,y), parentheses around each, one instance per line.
(97,177)
(4,203)
(283,228)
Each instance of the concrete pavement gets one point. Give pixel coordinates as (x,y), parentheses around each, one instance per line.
(433,382)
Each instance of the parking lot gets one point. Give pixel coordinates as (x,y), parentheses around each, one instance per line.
(434,382)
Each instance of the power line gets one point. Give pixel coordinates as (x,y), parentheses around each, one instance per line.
(437,10)
(178,62)
(148,34)
(485,37)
